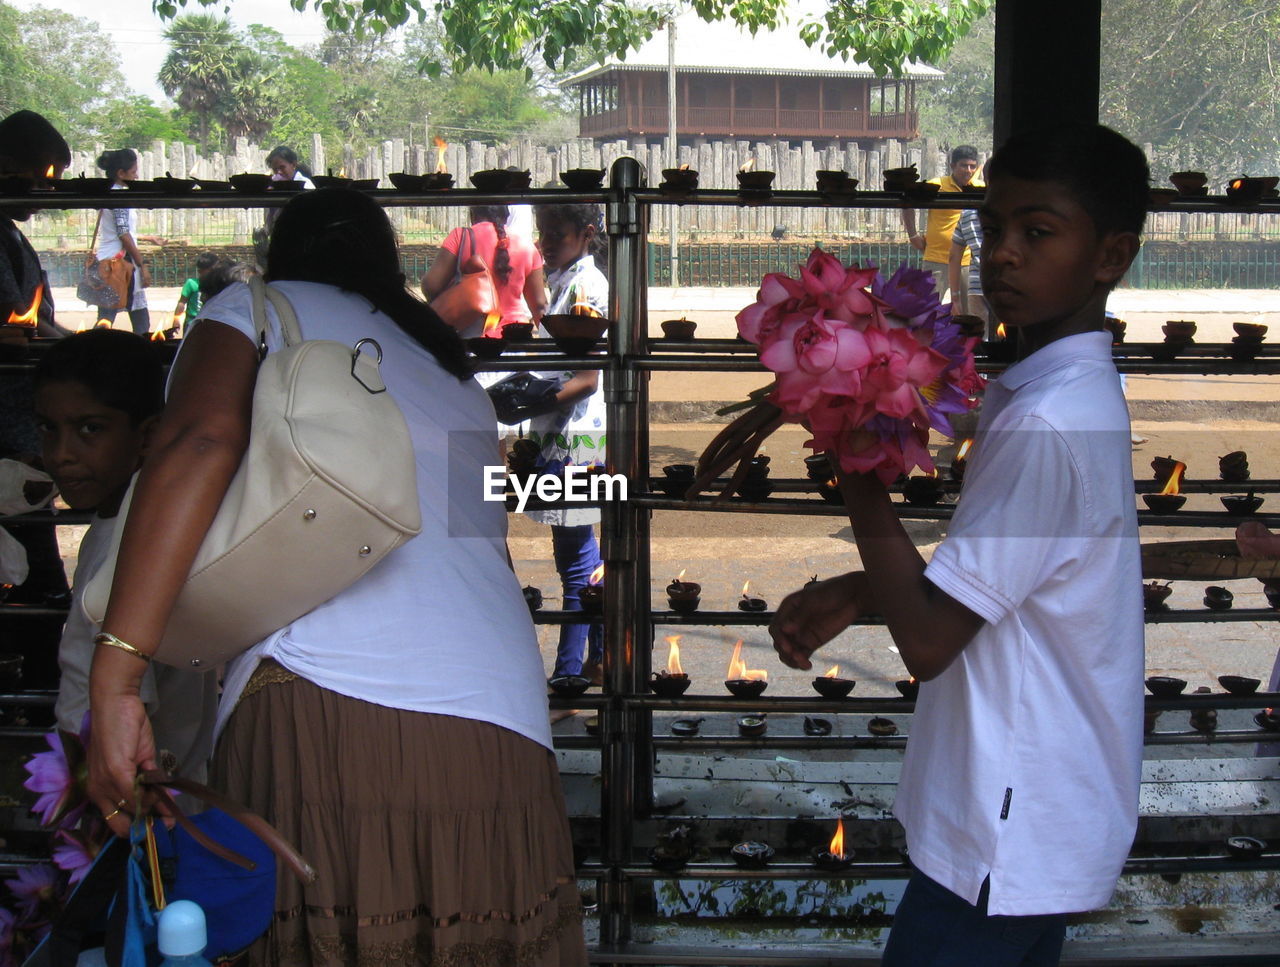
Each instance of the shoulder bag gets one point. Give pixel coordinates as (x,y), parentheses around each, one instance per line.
(471,296)
(94,288)
(327,488)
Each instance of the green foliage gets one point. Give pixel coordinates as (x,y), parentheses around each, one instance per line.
(1195,74)
(498,34)
(67,69)
(958,107)
(15,66)
(135,120)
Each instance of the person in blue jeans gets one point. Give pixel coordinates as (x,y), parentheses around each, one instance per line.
(574,433)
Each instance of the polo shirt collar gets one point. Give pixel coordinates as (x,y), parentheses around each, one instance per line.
(1082,347)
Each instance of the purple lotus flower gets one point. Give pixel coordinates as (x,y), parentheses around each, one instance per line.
(51,779)
(909,294)
(33,886)
(75,851)
(8,924)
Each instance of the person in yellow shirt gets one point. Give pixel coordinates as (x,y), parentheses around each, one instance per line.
(940,226)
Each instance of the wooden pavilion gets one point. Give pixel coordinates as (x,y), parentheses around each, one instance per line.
(730,85)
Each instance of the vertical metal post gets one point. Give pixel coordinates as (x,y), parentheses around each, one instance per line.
(673,149)
(624,738)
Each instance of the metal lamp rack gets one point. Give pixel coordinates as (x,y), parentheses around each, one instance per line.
(626,740)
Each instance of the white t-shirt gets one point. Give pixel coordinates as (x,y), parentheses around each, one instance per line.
(180,702)
(439,624)
(1026,754)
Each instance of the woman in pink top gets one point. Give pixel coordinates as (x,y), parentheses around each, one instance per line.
(513,261)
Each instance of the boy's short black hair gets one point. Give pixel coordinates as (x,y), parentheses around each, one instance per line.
(222,274)
(122,370)
(206,260)
(1104,172)
(963,152)
(29,143)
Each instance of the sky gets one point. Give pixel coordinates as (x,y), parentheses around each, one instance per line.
(137,31)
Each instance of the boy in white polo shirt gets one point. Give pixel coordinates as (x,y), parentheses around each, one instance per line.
(1019,789)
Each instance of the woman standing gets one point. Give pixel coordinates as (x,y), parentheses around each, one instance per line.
(513,262)
(285,166)
(398,733)
(574,432)
(118,239)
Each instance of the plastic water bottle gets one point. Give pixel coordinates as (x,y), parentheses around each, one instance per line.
(181,935)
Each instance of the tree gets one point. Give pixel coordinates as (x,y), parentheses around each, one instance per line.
(15,66)
(135,120)
(69,70)
(496,34)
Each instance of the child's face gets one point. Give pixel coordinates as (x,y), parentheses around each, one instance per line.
(1042,259)
(90,449)
(562,244)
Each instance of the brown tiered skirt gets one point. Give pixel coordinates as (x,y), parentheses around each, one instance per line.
(439,840)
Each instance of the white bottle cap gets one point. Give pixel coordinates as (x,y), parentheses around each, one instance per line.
(181,930)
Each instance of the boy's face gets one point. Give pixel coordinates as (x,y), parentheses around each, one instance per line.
(962,171)
(1042,259)
(90,449)
(562,244)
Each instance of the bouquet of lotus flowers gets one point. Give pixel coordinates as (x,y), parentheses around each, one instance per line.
(869,365)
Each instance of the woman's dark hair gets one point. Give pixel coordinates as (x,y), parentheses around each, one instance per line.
(120,369)
(341,237)
(29,143)
(288,156)
(579,218)
(113,162)
(1104,172)
(497,215)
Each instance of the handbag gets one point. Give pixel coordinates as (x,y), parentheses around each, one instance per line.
(471,297)
(326,489)
(223,859)
(99,283)
(521,396)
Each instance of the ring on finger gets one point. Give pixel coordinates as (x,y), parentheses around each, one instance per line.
(112,815)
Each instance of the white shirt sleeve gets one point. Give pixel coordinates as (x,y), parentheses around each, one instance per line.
(1022,516)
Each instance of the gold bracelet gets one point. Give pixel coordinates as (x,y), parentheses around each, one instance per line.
(111,641)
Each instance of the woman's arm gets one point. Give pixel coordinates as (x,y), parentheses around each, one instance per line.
(579,386)
(194,453)
(135,256)
(438,277)
(535,294)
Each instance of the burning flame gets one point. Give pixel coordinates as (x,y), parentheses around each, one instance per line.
(28,318)
(50,172)
(685,166)
(1237,184)
(102,324)
(1001,332)
(745,588)
(491,323)
(583,308)
(157,335)
(832,672)
(1171,486)
(836,847)
(440,144)
(680,577)
(738,669)
(913,680)
(751,163)
(597,575)
(673,656)
(964,449)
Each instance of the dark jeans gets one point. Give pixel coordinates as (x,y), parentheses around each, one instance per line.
(935,928)
(139,319)
(577,555)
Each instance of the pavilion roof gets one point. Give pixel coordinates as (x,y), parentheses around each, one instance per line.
(724,47)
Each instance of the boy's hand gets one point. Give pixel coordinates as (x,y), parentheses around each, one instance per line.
(807,619)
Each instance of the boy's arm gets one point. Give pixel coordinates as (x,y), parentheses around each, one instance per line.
(929,627)
(954,259)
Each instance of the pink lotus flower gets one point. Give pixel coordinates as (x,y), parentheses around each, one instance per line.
(868,365)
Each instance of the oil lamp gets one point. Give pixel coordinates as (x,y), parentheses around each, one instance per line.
(683,596)
(833,858)
(741,681)
(679,179)
(922,491)
(961,460)
(909,688)
(752,855)
(672,680)
(682,328)
(591,597)
(440,178)
(1170,497)
(831,685)
(750,179)
(749,603)
(1233,467)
